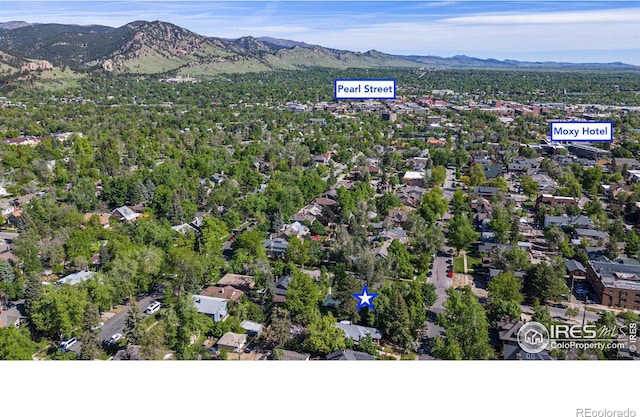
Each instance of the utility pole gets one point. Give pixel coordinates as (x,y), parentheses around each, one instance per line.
(584,311)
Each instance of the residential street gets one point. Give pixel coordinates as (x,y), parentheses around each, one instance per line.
(439,272)
(116,323)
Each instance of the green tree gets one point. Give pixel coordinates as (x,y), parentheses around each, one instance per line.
(278,333)
(572,312)
(323,336)
(513,260)
(503,309)
(545,282)
(433,205)
(394,320)
(133,330)
(500,224)
(400,261)
(6,272)
(461,233)
(505,287)
(303,297)
(529,186)
(632,244)
(89,337)
(386,202)
(459,203)
(32,292)
(252,242)
(466,329)
(59,312)
(344,285)
(541,314)
(477,175)
(16,344)
(367,345)
(297,251)
(438,175)
(500,183)
(153,343)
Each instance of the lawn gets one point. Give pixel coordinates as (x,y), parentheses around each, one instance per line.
(458,264)
(472,263)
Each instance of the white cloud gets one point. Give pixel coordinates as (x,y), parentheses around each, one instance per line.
(630,15)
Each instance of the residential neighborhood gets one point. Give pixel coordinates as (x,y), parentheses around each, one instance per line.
(244,226)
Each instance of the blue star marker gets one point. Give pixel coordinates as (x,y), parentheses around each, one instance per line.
(365,299)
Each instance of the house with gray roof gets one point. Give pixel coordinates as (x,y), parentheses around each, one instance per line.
(576,221)
(592,236)
(215,308)
(575,268)
(356,332)
(125,213)
(349,355)
(14,316)
(395,234)
(282,285)
(486,192)
(252,328)
(276,248)
(75,278)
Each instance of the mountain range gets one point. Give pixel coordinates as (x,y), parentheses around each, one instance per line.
(143,47)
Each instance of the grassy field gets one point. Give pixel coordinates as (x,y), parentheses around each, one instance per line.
(458,264)
(58,79)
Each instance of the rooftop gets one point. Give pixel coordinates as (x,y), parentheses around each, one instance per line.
(208,305)
(616,275)
(356,332)
(75,278)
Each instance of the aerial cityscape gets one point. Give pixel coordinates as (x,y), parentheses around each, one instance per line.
(171,194)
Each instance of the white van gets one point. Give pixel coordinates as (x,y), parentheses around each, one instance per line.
(153,307)
(68,343)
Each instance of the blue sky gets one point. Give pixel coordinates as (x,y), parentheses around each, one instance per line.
(571,31)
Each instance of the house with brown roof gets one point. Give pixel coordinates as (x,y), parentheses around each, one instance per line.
(103,218)
(226,292)
(232,342)
(241,282)
(323,201)
(398,215)
(289,355)
(620,163)
(553,201)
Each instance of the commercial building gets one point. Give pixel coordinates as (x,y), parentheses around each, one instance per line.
(617,285)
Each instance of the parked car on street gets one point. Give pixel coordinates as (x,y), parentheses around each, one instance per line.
(153,307)
(114,339)
(68,343)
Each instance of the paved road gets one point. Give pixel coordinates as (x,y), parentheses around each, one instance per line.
(439,276)
(560,314)
(116,323)
(439,272)
(8,236)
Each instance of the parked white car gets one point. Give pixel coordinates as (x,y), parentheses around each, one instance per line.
(153,307)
